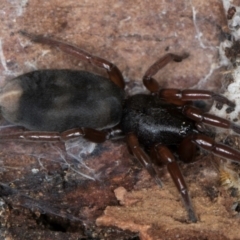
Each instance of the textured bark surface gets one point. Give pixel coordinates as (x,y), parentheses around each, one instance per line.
(42,196)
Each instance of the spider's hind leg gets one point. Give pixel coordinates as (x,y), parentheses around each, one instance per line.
(114,73)
(87,133)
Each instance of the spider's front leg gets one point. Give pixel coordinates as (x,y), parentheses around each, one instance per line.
(178,96)
(163,156)
(149,82)
(206,118)
(113,72)
(172,95)
(218,149)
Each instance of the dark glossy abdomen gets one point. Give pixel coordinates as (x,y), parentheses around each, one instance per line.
(154,121)
(57,100)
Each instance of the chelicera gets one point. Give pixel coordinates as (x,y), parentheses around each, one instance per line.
(57,105)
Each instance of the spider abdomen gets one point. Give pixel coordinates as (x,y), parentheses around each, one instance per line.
(154,121)
(58,100)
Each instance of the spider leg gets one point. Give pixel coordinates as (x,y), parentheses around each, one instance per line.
(149,82)
(187,150)
(165,156)
(219,149)
(177,96)
(113,72)
(206,118)
(87,133)
(191,95)
(142,157)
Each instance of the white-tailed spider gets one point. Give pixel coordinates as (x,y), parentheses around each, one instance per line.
(57,105)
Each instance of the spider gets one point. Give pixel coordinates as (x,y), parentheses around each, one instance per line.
(57,105)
